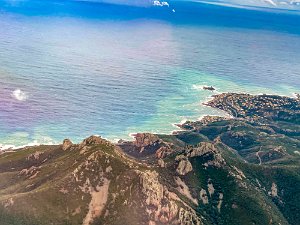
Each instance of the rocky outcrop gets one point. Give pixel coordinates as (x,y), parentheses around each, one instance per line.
(31,172)
(143,140)
(8,203)
(188,217)
(35,156)
(206,120)
(204,149)
(237,173)
(67,144)
(201,149)
(94,140)
(160,205)
(185,190)
(209,88)
(210,187)
(163,152)
(161,163)
(203,196)
(221,195)
(184,167)
(146,145)
(211,119)
(274,191)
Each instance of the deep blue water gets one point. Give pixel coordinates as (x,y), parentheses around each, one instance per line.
(72,69)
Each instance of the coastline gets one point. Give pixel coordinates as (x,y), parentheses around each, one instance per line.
(6,148)
(10,147)
(179,126)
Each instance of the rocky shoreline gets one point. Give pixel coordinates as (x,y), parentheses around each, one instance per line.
(257,107)
(238,105)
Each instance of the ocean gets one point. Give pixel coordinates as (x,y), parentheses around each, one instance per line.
(70,69)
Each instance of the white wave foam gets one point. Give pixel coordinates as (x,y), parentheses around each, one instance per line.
(183,121)
(19,95)
(198,86)
(295,95)
(14,147)
(132,135)
(5,148)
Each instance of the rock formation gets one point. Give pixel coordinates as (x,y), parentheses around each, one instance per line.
(66,144)
(184,167)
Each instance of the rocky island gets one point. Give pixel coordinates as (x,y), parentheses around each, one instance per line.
(209,88)
(243,169)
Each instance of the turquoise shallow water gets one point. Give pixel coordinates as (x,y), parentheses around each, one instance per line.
(65,73)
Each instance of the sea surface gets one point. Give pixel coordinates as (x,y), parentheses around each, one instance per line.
(70,69)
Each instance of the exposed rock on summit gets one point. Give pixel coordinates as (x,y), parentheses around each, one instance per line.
(201,149)
(66,144)
(146,145)
(93,140)
(145,139)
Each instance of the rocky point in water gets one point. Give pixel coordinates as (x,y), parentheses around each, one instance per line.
(209,88)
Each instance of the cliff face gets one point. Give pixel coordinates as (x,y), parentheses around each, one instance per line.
(216,171)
